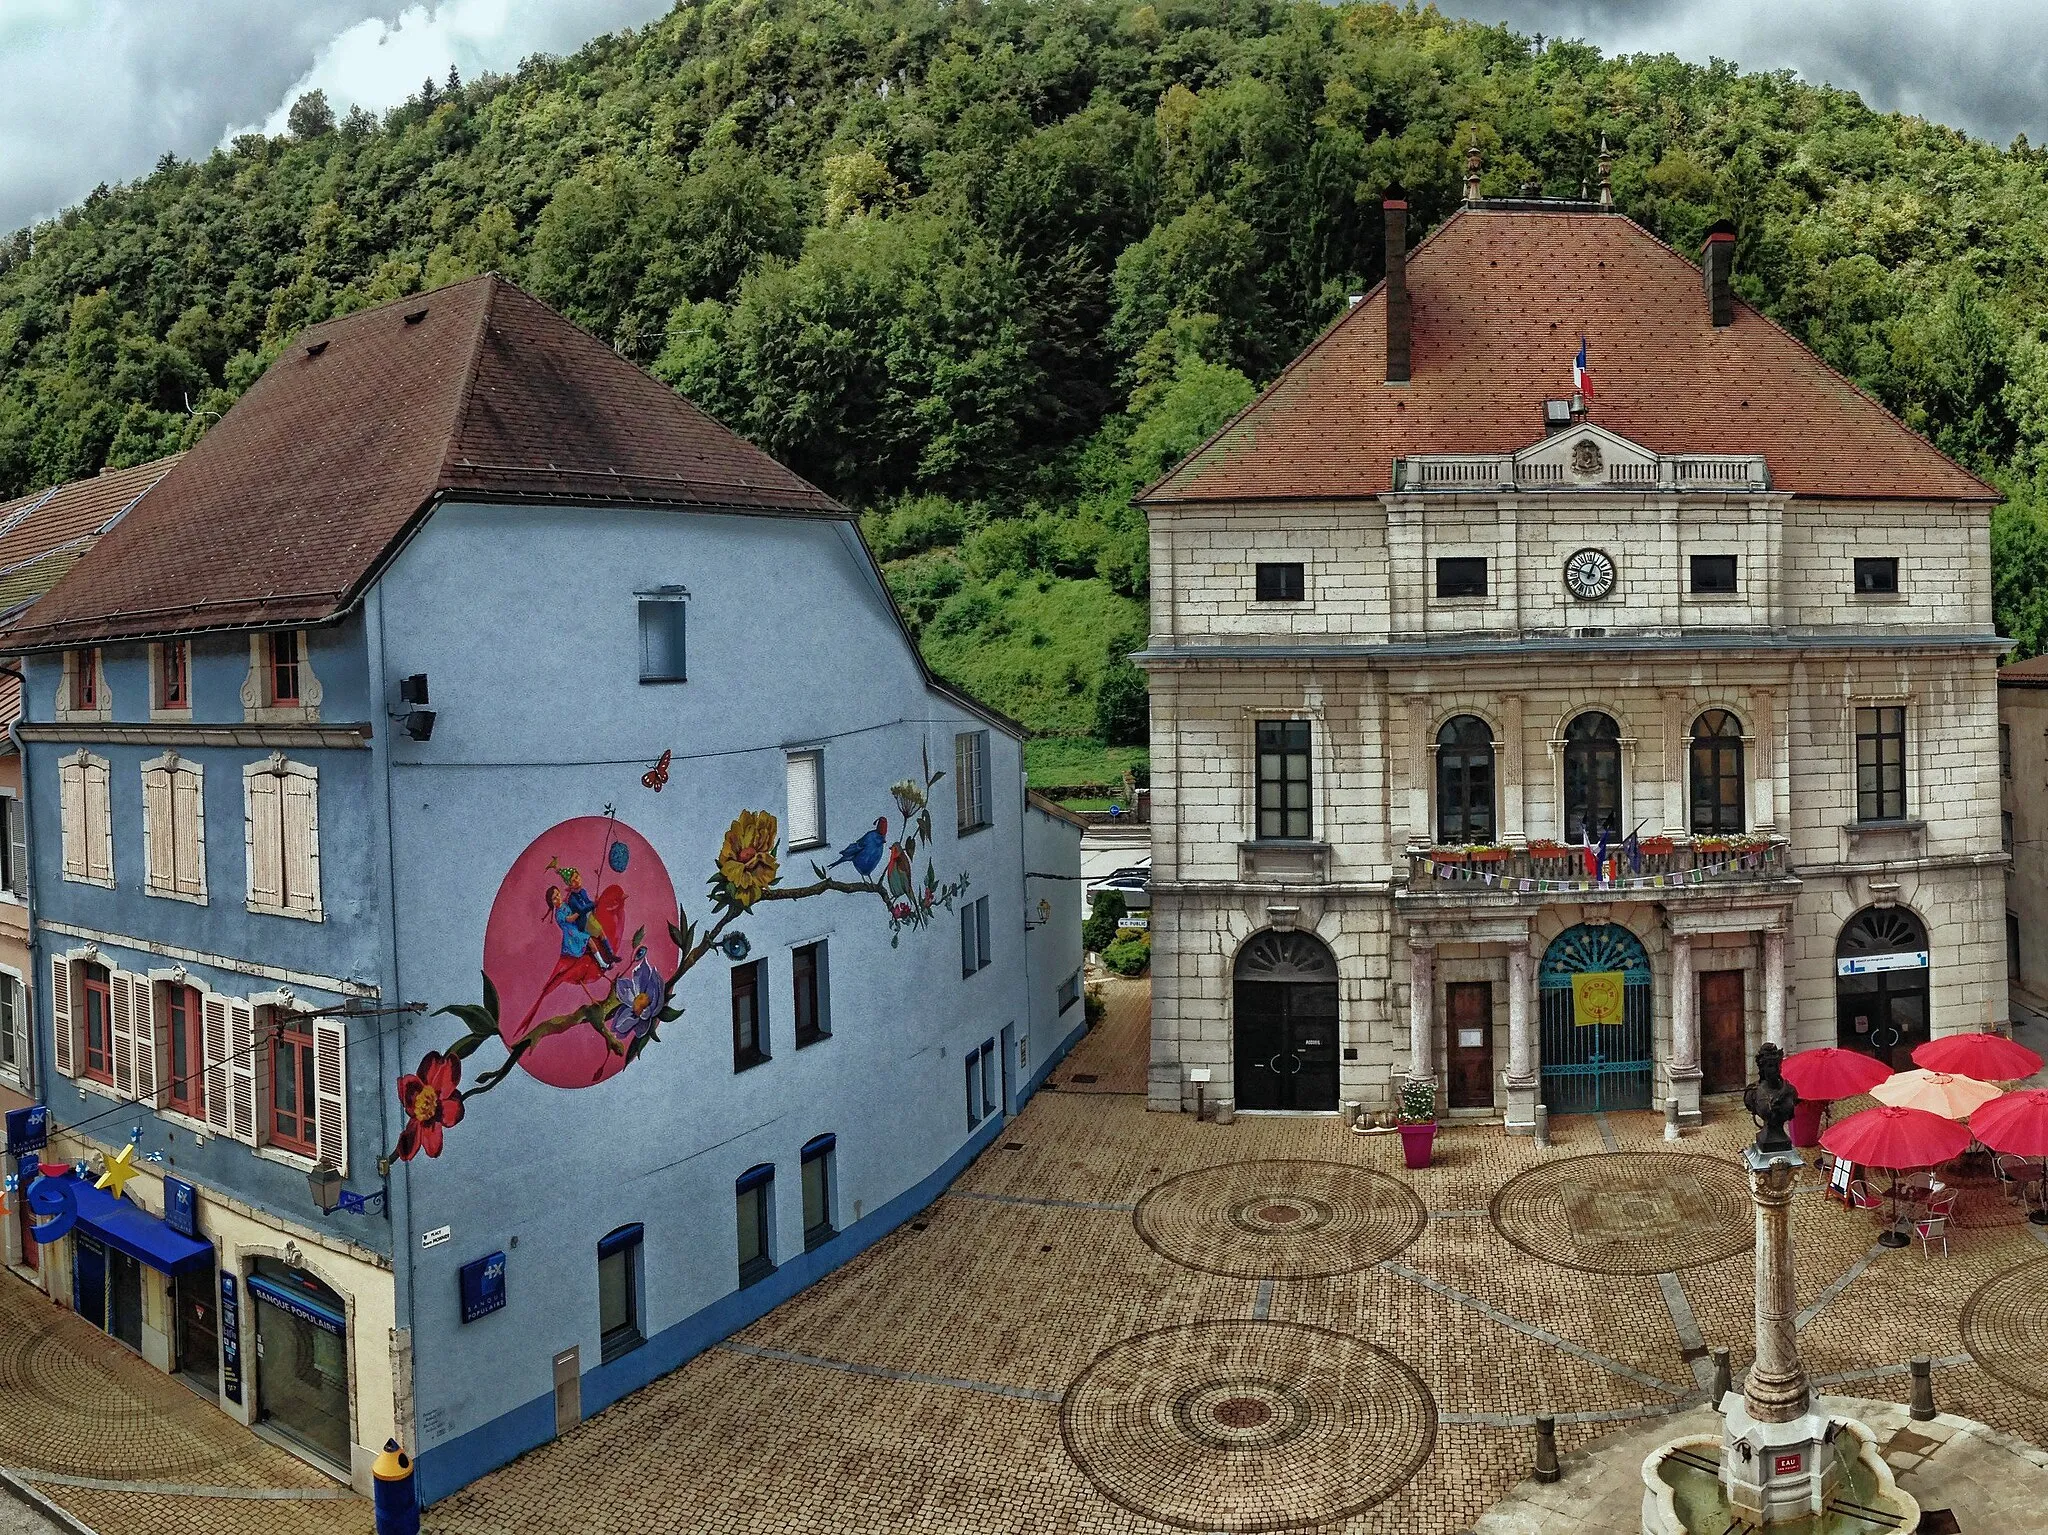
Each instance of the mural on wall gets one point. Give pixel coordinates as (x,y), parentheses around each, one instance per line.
(587,941)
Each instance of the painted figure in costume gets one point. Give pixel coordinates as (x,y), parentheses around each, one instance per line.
(586,958)
(582,909)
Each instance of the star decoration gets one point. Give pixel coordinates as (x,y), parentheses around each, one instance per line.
(120,1168)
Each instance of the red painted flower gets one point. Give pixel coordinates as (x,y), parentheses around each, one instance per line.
(431,1104)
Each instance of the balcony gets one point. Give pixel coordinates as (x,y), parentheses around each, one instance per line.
(1551,868)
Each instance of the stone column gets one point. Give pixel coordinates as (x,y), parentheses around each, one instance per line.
(1421,1010)
(1776,1391)
(1685,1031)
(1524,1066)
(1774,987)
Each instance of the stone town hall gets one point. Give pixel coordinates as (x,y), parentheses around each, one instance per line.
(1431,629)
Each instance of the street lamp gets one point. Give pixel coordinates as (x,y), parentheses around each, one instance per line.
(325,1183)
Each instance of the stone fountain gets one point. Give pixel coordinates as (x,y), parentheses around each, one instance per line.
(1782,1460)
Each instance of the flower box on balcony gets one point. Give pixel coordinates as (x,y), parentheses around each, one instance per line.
(1547,850)
(1711,844)
(1656,847)
(1487,854)
(1447,855)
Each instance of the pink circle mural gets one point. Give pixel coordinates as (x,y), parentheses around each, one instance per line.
(561,937)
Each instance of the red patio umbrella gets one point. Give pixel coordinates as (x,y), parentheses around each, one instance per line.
(1827,1074)
(1987,1057)
(2016,1124)
(1895,1139)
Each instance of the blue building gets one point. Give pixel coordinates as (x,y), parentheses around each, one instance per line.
(464,666)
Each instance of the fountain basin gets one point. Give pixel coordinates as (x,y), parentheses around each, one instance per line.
(1684,1494)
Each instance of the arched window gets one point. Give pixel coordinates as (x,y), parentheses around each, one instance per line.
(1592,778)
(1716,774)
(1464,781)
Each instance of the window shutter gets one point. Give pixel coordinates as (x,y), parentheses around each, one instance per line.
(147,1057)
(99,839)
(24,1034)
(119,999)
(159,843)
(62,1040)
(71,782)
(301,843)
(804,822)
(213,1040)
(188,822)
(17,846)
(266,839)
(241,1072)
(330,1091)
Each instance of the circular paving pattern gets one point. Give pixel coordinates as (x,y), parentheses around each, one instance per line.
(1643,1212)
(1247,1425)
(2005,1327)
(1280,1219)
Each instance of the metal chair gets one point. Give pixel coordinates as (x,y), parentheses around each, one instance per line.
(1932,1228)
(2013,1174)
(1861,1197)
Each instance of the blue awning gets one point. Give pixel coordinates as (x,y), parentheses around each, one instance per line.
(134,1231)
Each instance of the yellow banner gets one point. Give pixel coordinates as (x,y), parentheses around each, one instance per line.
(1596,997)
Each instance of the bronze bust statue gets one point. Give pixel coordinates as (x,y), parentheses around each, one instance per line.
(1771,1100)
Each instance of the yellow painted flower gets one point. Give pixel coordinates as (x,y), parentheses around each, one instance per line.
(747,860)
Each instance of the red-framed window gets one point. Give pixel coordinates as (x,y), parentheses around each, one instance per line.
(284,668)
(98,988)
(85,679)
(187,1051)
(291,1081)
(173,679)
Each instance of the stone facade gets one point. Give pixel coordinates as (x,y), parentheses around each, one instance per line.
(1377,663)
(2023,774)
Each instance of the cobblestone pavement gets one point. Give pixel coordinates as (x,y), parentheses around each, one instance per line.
(1042,1358)
(129,1451)
(1112,1058)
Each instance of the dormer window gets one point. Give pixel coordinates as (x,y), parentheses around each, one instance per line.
(281,687)
(174,675)
(85,680)
(284,668)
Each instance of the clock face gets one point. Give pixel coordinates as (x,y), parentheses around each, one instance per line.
(1589,575)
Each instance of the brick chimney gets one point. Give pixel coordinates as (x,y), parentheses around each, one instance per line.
(1717,268)
(1400,308)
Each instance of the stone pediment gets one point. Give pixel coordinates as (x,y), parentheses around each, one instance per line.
(1582,457)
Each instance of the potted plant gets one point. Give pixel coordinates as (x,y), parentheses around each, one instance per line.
(1447,855)
(1418,1121)
(1492,852)
(1655,847)
(1543,848)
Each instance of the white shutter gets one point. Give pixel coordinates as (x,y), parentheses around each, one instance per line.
(24,1034)
(213,1041)
(330,1092)
(99,825)
(71,784)
(119,999)
(302,843)
(805,824)
(17,846)
(148,1058)
(241,1072)
(160,870)
(188,822)
(266,839)
(62,1040)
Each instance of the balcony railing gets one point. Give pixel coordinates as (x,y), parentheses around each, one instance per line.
(1549,868)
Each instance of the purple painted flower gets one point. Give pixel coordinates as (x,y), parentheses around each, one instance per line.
(641,994)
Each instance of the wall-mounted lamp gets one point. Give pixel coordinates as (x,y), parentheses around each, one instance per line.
(419,724)
(413,689)
(329,1195)
(417,720)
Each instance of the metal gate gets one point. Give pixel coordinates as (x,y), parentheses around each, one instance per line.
(1594,1066)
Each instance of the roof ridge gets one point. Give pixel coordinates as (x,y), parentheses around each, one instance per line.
(470,368)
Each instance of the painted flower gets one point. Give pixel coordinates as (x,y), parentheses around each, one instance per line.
(431,1104)
(909,797)
(747,860)
(641,994)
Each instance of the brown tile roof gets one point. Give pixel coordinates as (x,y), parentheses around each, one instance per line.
(2030,673)
(287,508)
(1501,298)
(43,534)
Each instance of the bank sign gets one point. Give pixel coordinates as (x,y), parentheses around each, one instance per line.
(1874,964)
(28,1129)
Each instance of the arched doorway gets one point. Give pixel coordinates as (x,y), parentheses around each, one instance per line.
(1881,985)
(1285,1023)
(1595,986)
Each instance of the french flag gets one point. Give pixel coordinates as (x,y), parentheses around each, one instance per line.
(1582,377)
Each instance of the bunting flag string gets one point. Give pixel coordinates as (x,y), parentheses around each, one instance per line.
(1698,874)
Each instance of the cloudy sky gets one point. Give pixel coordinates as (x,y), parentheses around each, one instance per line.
(96,90)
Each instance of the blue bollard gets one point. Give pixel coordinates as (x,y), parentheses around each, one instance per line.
(398,1504)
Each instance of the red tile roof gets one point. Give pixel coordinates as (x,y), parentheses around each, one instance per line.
(1501,298)
(2030,673)
(43,533)
(285,510)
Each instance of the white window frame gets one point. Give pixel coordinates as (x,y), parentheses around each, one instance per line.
(676,598)
(810,759)
(22,1073)
(13,848)
(258,707)
(177,773)
(94,830)
(302,904)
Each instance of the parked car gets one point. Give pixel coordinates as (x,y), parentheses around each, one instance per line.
(1133,883)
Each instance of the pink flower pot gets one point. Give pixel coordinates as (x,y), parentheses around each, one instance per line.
(1416,1141)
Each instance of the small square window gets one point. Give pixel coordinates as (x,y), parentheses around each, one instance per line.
(1282,583)
(1070,991)
(662,635)
(1876,574)
(1461,578)
(749,1017)
(1713,573)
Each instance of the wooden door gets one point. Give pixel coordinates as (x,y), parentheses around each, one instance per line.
(1312,1047)
(1259,1022)
(1722,1056)
(1469,1005)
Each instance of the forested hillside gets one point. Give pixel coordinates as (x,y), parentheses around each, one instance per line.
(980,269)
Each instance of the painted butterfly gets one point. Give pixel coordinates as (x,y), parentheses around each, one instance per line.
(656,777)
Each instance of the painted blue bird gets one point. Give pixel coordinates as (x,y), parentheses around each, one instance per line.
(865,854)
